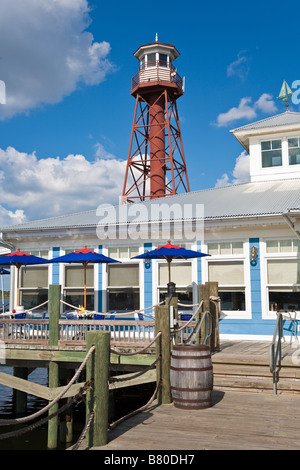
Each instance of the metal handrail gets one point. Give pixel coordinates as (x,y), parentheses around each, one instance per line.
(197,327)
(275,352)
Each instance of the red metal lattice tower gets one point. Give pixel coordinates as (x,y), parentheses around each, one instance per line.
(156,163)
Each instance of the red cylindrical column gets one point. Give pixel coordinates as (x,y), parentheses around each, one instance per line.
(157,145)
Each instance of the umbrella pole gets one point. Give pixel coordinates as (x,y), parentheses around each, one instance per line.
(18,283)
(84,301)
(2,288)
(169,267)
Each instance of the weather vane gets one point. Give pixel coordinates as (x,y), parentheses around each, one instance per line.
(285,93)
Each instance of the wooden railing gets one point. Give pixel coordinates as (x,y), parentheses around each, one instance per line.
(156,72)
(126,332)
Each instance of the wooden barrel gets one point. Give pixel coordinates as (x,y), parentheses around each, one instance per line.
(191,377)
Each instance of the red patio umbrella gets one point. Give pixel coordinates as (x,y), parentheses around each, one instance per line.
(84,256)
(18,259)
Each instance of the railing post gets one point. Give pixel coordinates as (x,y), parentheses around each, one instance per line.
(173,302)
(162,324)
(54,312)
(203,295)
(215,336)
(97,398)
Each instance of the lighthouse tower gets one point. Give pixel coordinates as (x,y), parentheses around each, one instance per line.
(156,163)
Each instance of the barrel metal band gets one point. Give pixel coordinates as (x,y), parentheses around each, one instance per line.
(190,369)
(191,357)
(192,401)
(179,389)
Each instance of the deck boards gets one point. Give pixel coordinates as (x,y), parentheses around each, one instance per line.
(236,421)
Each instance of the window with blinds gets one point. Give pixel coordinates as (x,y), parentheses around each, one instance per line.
(123,275)
(123,287)
(74,276)
(74,286)
(33,286)
(181,274)
(230,278)
(123,252)
(36,277)
(227,274)
(283,278)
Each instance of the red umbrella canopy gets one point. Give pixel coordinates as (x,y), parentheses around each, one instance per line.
(83,256)
(170,252)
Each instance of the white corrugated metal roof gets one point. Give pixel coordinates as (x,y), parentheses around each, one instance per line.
(286,118)
(241,200)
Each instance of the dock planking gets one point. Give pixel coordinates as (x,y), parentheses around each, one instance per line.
(236,421)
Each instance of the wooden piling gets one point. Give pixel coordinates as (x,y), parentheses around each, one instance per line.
(20,398)
(97,398)
(163,349)
(53,422)
(54,312)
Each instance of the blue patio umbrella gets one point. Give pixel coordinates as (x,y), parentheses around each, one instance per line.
(84,257)
(18,259)
(170,252)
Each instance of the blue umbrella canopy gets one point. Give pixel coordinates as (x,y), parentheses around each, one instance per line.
(4,271)
(170,252)
(18,259)
(85,257)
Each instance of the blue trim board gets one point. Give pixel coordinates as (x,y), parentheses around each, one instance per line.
(55,266)
(255,282)
(199,265)
(148,297)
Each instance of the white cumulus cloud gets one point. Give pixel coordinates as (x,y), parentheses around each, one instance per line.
(240,173)
(47,53)
(247,110)
(32,188)
(239,67)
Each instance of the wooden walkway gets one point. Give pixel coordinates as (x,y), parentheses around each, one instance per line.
(236,421)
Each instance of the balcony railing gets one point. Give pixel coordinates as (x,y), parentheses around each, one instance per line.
(156,70)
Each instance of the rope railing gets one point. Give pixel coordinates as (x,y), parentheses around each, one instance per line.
(188,321)
(67,405)
(138,374)
(5,422)
(133,312)
(114,351)
(139,410)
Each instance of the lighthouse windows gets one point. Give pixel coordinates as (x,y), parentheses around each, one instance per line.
(151,60)
(163,60)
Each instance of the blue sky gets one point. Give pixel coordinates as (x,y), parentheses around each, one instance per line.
(68,64)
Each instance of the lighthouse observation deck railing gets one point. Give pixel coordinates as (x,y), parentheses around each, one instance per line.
(156,70)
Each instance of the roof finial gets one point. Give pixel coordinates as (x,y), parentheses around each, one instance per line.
(285,93)
(156,38)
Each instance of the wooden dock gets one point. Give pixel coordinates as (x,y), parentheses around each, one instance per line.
(236,421)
